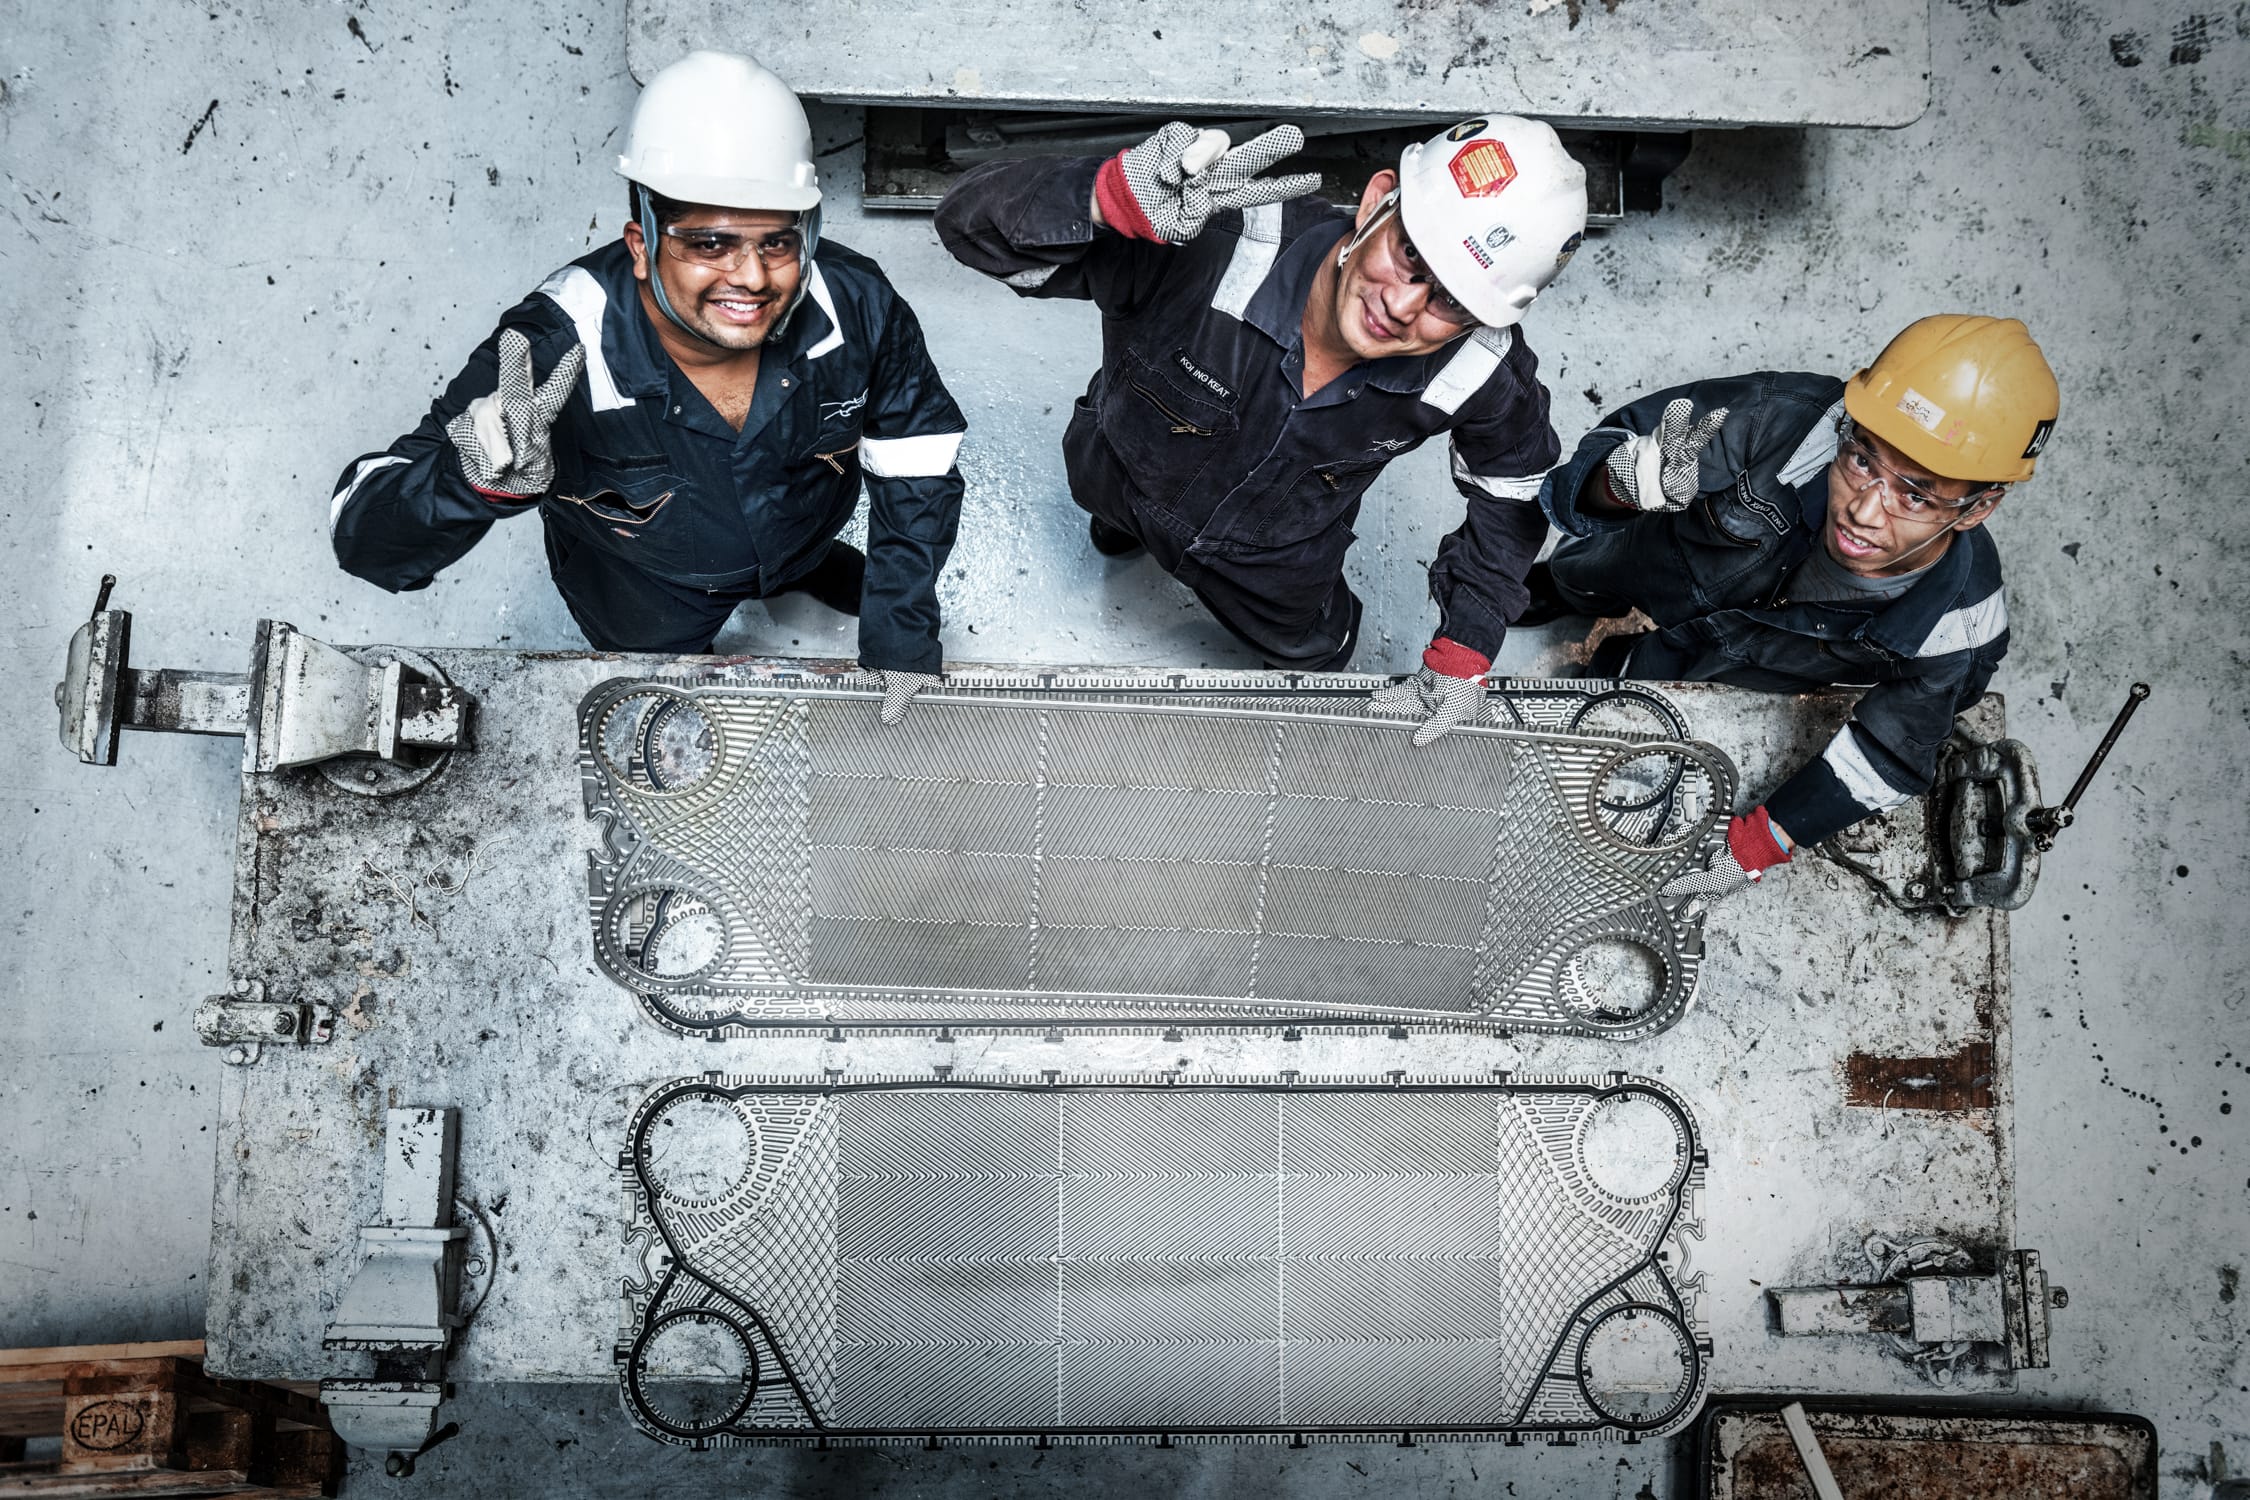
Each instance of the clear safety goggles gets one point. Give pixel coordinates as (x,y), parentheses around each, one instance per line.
(1396,259)
(1908,499)
(730,249)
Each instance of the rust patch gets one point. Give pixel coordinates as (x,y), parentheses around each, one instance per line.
(1961,1081)
(2035,1463)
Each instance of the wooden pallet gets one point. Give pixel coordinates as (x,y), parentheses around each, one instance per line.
(144,1419)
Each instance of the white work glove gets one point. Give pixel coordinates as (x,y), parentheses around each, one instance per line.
(899,689)
(1167,186)
(504,439)
(1657,470)
(1446,693)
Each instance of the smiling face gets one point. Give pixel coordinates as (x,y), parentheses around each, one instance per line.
(1384,295)
(1877,526)
(732,307)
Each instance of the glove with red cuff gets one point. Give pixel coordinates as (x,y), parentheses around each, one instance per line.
(1446,693)
(1754,846)
(1164,188)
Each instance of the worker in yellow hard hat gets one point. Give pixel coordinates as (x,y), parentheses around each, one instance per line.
(1792,532)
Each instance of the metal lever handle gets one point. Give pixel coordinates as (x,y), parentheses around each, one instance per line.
(2046,822)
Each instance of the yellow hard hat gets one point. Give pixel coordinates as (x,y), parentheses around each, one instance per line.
(1962,396)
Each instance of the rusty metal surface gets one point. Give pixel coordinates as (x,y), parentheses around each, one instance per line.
(1924,1456)
(1957,1081)
(447,928)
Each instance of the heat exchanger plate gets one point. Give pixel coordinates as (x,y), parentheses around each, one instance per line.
(902,1260)
(776,858)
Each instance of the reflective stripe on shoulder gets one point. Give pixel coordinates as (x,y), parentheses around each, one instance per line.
(1966,628)
(1817,451)
(817,285)
(1253,257)
(1499,486)
(1474,359)
(343,498)
(925,456)
(1862,782)
(580,296)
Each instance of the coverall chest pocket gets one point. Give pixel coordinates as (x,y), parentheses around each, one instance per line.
(625,493)
(1164,434)
(830,456)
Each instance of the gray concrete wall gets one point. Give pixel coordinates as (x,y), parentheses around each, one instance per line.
(250,241)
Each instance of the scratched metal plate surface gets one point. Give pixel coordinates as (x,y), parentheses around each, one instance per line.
(899,1260)
(775,859)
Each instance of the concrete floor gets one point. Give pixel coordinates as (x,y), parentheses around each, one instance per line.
(251,239)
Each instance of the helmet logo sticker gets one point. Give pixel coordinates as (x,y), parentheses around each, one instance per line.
(1499,237)
(1482,169)
(1569,248)
(1467,128)
(1924,413)
(2039,436)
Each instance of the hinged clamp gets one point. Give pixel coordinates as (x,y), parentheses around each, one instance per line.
(244,1021)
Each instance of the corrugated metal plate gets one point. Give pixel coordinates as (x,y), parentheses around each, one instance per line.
(890,1261)
(778,859)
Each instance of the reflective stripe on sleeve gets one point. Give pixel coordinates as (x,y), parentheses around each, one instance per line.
(1499,486)
(923,457)
(817,285)
(580,296)
(1966,628)
(1817,451)
(343,498)
(1253,257)
(1861,781)
(1474,359)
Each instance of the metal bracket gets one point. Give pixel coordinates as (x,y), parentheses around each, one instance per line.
(301,703)
(245,1020)
(402,1305)
(1944,1311)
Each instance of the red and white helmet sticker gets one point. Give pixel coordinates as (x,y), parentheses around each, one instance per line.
(1481,169)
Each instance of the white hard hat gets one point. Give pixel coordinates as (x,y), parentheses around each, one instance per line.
(718,129)
(1495,206)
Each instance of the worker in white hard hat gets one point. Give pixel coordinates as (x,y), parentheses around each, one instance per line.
(694,408)
(1791,531)
(1265,354)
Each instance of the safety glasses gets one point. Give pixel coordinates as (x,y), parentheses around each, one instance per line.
(728,249)
(1396,259)
(1906,498)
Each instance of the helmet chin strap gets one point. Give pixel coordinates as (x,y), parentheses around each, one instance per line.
(808,238)
(1384,207)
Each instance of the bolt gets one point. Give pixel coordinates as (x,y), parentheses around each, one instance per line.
(284,1024)
(2058,1297)
(368,776)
